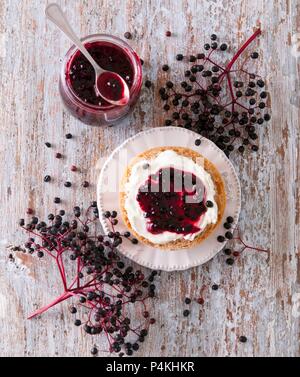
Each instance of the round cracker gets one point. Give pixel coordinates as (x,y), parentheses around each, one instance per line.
(220,197)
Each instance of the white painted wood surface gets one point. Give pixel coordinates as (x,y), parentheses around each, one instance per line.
(257,298)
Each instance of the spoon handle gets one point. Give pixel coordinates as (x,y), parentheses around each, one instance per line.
(57,16)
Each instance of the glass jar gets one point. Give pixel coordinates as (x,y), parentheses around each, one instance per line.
(73,92)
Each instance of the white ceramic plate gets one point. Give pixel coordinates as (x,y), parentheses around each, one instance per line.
(108,196)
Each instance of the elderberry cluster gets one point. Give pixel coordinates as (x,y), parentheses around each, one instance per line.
(221,103)
(103,285)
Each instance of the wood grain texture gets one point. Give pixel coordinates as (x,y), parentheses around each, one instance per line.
(257,297)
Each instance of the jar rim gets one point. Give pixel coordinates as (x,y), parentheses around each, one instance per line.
(134,59)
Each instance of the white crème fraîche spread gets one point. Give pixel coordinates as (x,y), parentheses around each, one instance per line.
(139,176)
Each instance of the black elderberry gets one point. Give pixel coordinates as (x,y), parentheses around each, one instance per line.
(267,117)
(221,239)
(213,37)
(165,67)
(260,121)
(223,47)
(57,200)
(135,347)
(77,322)
(227,252)
(200,56)
(69,136)
(127,35)
(68,184)
(227,226)
(262,105)
(187,73)
(249,92)
(215,287)
(209,204)
(229,235)
(179,57)
(230,219)
(207,46)
(186,313)
(192,58)
(114,214)
(230,261)
(169,84)
(214,45)
(253,136)
(48,145)
(194,69)
(198,142)
(94,351)
(243,339)
(47,178)
(107,214)
(241,149)
(184,84)
(260,83)
(254,148)
(166,107)
(187,300)
(148,84)
(254,55)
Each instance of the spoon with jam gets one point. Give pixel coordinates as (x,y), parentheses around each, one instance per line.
(109,85)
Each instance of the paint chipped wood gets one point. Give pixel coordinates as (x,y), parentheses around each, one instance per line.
(256,298)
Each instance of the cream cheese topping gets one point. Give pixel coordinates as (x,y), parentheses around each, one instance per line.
(139,175)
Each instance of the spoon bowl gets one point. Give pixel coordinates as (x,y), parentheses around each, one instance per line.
(113,88)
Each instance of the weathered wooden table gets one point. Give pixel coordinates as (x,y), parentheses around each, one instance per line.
(257,298)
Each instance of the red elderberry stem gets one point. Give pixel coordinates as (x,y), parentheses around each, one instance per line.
(243,48)
(238,54)
(65,296)
(61,272)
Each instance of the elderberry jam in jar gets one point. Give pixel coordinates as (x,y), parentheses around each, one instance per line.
(77,79)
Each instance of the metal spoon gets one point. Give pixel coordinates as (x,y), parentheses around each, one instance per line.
(109,85)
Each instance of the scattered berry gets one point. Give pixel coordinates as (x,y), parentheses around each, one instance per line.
(128,35)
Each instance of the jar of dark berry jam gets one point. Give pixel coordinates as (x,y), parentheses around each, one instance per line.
(77,79)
